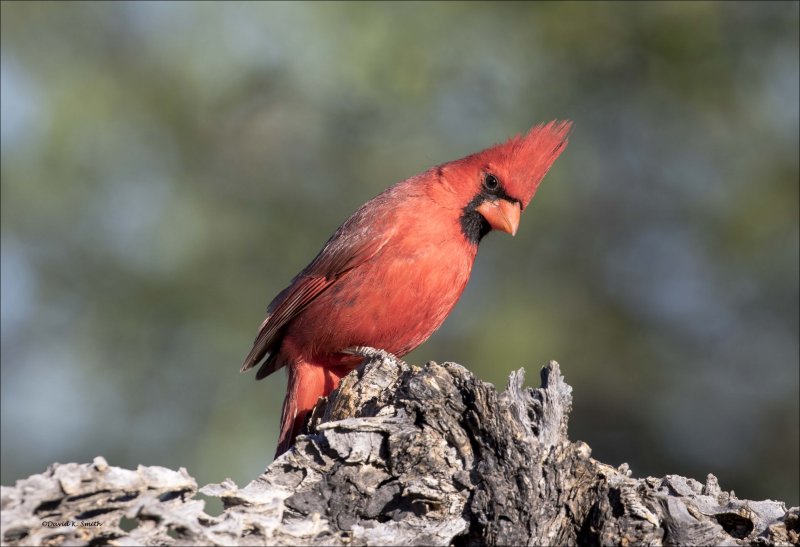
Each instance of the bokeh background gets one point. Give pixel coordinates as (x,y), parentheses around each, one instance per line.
(168,167)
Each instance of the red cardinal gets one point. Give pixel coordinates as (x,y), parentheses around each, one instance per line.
(393,271)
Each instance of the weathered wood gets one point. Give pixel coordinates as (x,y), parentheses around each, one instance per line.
(402,455)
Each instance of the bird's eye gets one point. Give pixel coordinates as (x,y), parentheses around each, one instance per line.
(490,182)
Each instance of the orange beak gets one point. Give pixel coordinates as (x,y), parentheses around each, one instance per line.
(501,214)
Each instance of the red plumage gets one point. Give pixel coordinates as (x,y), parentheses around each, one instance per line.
(390,275)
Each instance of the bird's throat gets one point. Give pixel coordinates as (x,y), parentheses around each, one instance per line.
(473,225)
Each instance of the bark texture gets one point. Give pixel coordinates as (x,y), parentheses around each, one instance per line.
(402,455)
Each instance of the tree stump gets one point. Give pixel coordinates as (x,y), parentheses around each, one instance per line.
(403,455)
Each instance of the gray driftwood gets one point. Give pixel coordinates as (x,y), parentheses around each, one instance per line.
(402,455)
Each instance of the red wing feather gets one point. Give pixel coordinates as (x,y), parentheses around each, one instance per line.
(352,244)
(299,295)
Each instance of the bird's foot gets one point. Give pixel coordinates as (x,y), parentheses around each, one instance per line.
(370,354)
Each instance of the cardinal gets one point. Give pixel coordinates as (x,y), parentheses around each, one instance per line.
(391,274)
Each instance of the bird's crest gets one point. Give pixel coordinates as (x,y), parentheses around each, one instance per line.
(527,158)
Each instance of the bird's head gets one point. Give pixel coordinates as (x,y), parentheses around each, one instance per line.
(492,187)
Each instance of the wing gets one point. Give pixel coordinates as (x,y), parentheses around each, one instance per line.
(283,309)
(355,242)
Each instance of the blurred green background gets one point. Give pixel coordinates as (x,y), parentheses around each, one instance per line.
(168,167)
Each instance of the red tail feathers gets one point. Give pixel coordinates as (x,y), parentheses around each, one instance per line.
(307,383)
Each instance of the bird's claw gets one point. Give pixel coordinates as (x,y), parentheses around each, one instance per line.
(370,354)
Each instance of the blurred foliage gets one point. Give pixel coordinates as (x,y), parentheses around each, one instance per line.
(168,167)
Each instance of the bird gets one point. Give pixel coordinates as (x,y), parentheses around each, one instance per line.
(391,273)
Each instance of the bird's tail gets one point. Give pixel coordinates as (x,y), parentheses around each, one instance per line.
(307,383)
